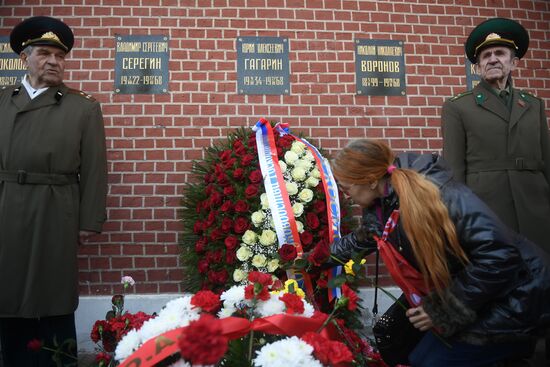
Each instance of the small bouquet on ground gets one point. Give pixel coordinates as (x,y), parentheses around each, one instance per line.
(108,333)
(264,323)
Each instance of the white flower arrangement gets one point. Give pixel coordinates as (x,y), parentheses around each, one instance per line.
(288,352)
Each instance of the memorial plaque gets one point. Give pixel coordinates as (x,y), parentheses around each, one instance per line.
(12,68)
(141,64)
(472,77)
(379,67)
(262,65)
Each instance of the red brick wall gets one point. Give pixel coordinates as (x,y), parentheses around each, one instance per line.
(153,138)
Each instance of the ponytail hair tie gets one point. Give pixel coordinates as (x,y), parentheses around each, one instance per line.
(390,169)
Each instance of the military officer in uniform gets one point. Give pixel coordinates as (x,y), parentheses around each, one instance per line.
(495,137)
(53,184)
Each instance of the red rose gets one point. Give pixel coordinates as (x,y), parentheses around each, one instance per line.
(242,206)
(198,227)
(217,234)
(231,242)
(206,300)
(239,148)
(306,238)
(255,176)
(312,220)
(227,224)
(229,191)
(222,179)
(202,342)
(34,345)
(320,253)
(221,276)
(228,164)
(252,141)
(215,199)
(230,257)
(203,266)
(251,191)
(287,252)
(208,178)
(319,206)
(225,155)
(200,245)
(246,160)
(238,174)
(293,303)
(241,225)
(351,296)
(226,206)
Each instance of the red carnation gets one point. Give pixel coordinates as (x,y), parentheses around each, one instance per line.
(351,296)
(287,252)
(202,342)
(206,300)
(285,141)
(256,291)
(34,345)
(104,358)
(259,277)
(293,303)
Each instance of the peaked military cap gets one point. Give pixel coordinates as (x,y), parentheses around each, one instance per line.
(497,31)
(41,30)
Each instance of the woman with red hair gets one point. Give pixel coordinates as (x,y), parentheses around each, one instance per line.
(468,278)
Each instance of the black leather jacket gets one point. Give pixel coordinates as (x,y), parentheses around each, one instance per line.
(504,291)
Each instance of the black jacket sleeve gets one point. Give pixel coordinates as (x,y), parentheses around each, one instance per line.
(360,240)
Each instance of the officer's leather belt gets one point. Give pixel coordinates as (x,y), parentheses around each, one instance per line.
(511,164)
(30,178)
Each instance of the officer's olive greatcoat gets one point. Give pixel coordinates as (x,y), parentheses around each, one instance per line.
(59,132)
(503,156)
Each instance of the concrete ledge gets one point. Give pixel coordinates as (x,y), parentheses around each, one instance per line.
(92,308)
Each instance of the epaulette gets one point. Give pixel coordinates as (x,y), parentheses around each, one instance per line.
(80,93)
(460,95)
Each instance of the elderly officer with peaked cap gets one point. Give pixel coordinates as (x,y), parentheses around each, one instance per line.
(53,184)
(495,137)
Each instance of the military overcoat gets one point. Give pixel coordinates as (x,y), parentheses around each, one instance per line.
(53,183)
(503,155)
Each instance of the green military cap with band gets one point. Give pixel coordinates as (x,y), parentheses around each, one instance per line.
(41,31)
(497,32)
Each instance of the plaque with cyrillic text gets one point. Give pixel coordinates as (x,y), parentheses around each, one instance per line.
(380,68)
(262,65)
(12,68)
(472,76)
(141,64)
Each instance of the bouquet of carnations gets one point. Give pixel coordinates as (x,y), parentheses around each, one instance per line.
(262,323)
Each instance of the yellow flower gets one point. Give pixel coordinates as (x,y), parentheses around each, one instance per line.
(349,266)
(294,284)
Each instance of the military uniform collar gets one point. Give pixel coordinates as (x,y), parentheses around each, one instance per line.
(33,93)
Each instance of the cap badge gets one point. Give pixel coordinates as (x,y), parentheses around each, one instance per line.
(46,36)
(492,36)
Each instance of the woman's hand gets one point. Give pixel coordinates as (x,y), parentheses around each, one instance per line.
(419,318)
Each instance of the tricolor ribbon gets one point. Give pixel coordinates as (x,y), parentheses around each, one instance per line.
(331,196)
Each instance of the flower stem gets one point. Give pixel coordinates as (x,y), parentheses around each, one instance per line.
(60,352)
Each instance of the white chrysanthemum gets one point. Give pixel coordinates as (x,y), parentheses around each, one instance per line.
(268,237)
(291,188)
(244,253)
(239,275)
(283,166)
(289,352)
(259,260)
(298,209)
(249,237)
(127,345)
(315,173)
(233,297)
(298,174)
(308,309)
(258,218)
(272,265)
(312,182)
(299,226)
(180,363)
(298,147)
(226,312)
(264,201)
(290,158)
(306,195)
(272,306)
